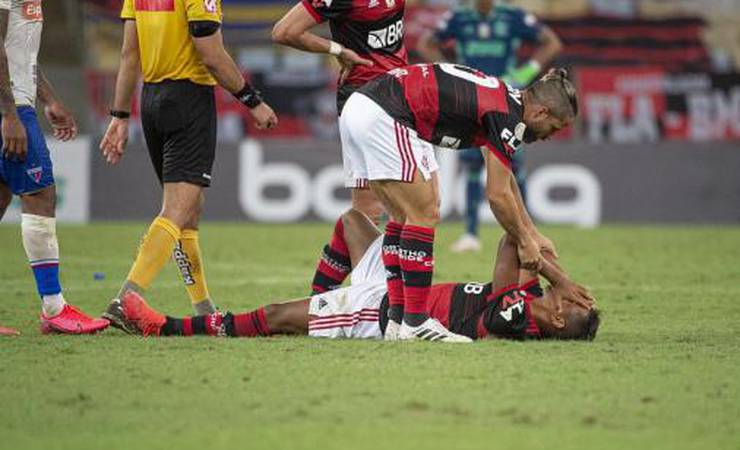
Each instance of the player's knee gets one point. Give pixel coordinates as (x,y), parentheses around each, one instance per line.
(370,207)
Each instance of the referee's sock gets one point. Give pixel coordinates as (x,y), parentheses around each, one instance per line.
(334,263)
(154,251)
(189,262)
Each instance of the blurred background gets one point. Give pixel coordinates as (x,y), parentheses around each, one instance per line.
(657,140)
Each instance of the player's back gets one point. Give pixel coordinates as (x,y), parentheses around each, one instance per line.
(444,103)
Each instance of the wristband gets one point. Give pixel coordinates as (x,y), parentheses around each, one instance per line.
(249,96)
(335,48)
(119,114)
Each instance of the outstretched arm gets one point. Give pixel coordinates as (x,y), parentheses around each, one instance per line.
(503,202)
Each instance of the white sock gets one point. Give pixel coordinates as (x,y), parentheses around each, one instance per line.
(40,242)
(52,304)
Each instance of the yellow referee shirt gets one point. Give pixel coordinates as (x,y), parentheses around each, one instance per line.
(166,48)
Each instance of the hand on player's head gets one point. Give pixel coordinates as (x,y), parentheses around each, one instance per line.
(572,320)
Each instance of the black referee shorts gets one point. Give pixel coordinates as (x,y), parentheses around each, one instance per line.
(179,122)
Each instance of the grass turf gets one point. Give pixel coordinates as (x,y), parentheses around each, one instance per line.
(663,372)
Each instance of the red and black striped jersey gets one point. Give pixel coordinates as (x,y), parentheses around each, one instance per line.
(371,28)
(473,310)
(453,106)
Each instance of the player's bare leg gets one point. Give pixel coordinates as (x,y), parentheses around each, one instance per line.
(365,201)
(38,227)
(418,202)
(6,196)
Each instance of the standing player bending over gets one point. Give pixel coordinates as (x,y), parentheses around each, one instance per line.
(368,42)
(178,46)
(389,129)
(25,164)
(512,306)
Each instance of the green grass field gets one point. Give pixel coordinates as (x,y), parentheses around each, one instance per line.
(664,372)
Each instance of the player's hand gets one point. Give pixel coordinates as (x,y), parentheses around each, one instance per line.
(530,256)
(114,141)
(573,292)
(264,117)
(348,59)
(545,244)
(15,140)
(61,120)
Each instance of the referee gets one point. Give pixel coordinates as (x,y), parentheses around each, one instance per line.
(178,46)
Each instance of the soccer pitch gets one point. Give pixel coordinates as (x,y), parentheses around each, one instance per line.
(663,373)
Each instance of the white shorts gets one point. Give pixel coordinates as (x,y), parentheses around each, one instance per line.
(352,312)
(376,147)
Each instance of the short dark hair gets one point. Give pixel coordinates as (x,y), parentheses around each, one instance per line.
(557,92)
(582,327)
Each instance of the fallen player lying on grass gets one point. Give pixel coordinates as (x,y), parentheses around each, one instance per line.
(512,306)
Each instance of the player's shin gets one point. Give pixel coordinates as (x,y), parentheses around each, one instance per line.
(394,278)
(417,266)
(334,263)
(42,249)
(251,324)
(154,251)
(189,263)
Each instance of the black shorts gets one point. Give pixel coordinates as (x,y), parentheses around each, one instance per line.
(179,122)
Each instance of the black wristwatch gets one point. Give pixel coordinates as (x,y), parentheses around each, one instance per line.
(249,96)
(120,114)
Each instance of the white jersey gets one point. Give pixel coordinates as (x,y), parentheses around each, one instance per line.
(22,43)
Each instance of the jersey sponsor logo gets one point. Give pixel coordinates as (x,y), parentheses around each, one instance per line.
(32,11)
(154,5)
(386,37)
(209,5)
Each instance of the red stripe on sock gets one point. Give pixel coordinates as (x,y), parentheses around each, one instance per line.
(416,258)
(187,326)
(251,324)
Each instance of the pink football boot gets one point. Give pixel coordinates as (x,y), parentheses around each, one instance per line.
(72,321)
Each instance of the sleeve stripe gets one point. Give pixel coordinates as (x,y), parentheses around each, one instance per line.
(312,11)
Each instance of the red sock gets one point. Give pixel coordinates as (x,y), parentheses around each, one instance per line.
(251,324)
(417,265)
(334,263)
(394,279)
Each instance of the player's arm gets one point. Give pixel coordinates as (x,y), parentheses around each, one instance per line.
(430,43)
(209,43)
(293,30)
(545,244)
(60,118)
(548,46)
(503,204)
(15,141)
(114,141)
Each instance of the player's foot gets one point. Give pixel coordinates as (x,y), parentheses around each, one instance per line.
(143,317)
(114,313)
(71,321)
(391,330)
(466,243)
(4,331)
(430,330)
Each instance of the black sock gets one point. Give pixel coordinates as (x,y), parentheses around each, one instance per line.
(395,313)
